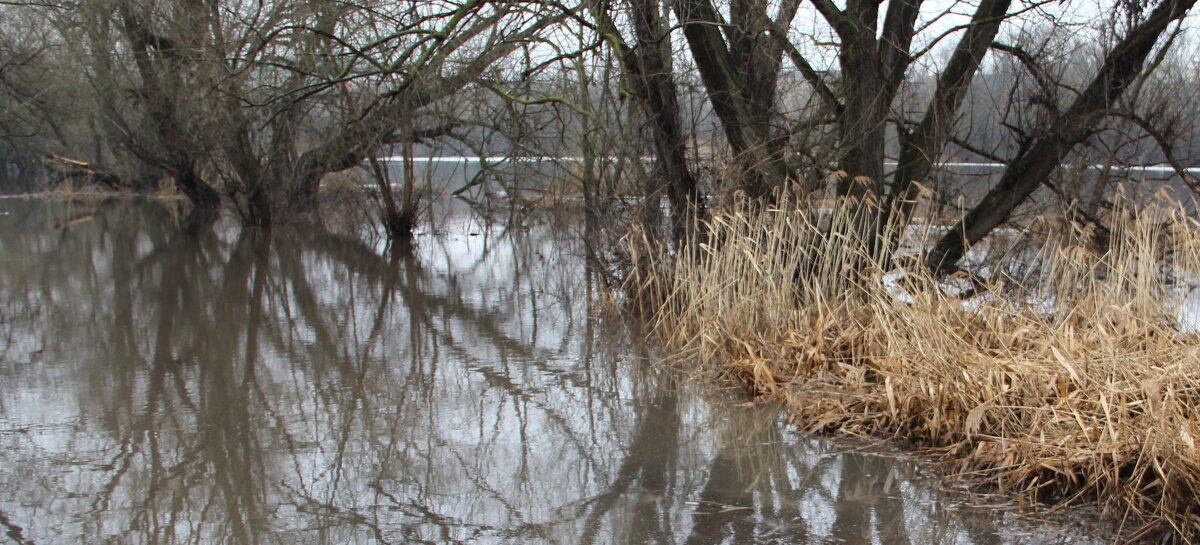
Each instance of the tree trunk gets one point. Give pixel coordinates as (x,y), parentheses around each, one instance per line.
(759,156)
(650,64)
(873,66)
(920,148)
(206,202)
(158,65)
(862,125)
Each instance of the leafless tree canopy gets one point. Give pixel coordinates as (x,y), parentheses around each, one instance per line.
(254,104)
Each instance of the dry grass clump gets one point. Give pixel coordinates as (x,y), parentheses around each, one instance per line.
(1076,382)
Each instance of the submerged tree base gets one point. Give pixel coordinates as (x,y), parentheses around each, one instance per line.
(1074,377)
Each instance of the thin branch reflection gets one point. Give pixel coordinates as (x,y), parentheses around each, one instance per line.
(297,386)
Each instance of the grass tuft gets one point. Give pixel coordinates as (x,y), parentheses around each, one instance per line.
(1071,376)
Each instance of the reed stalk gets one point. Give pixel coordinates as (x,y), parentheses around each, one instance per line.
(1073,375)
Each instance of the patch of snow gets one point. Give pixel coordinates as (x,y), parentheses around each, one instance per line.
(891,284)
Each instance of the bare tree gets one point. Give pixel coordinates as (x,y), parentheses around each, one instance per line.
(1039,157)
(649,63)
(259,102)
(738,49)
(739,63)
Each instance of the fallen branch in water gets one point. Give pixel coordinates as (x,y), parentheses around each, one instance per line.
(75,169)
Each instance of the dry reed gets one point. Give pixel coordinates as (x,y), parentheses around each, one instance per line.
(1075,382)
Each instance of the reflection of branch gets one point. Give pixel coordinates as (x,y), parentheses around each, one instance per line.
(14,532)
(476,479)
(489,325)
(527,395)
(305,298)
(366,263)
(120,463)
(863,495)
(352,517)
(656,443)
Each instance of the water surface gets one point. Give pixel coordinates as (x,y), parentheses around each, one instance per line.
(298,386)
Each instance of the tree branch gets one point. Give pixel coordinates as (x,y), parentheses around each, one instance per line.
(835,17)
(806,70)
(1164,144)
(1033,167)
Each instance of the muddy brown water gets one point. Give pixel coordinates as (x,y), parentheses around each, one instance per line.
(296,386)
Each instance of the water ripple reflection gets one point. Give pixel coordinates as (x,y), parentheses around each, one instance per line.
(295,386)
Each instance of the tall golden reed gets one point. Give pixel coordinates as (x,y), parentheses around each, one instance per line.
(1075,381)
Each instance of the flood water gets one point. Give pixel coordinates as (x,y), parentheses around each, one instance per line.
(297,386)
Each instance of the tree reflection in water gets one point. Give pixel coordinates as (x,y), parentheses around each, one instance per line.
(295,386)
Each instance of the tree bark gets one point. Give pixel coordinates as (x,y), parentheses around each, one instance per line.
(748,134)
(206,202)
(158,60)
(650,65)
(861,126)
(873,67)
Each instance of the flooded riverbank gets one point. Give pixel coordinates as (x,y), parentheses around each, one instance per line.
(296,386)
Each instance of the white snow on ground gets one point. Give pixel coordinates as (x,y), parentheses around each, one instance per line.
(1182,303)
(891,283)
(1188,313)
(1185,302)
